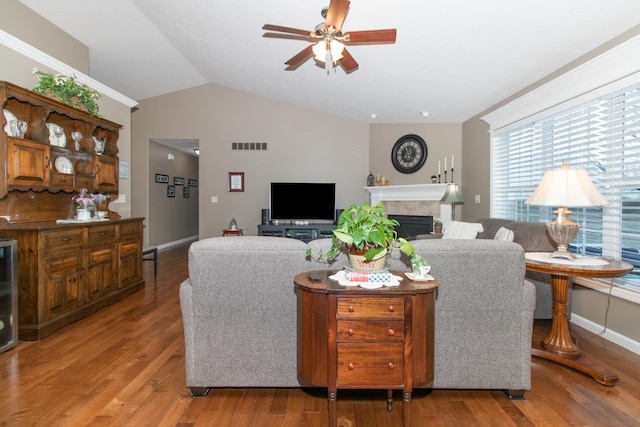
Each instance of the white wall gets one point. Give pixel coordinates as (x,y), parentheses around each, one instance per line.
(303,145)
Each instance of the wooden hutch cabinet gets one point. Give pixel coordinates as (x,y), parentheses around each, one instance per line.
(66,270)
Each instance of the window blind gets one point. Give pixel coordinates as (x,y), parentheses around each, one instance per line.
(601,136)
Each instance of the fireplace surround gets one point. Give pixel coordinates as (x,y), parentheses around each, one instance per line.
(415,200)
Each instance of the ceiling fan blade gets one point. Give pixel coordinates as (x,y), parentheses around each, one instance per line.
(299,58)
(372,36)
(269,27)
(284,36)
(337,13)
(347,62)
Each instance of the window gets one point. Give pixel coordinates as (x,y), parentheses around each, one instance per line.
(601,136)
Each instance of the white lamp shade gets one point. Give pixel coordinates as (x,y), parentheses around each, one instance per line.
(566,187)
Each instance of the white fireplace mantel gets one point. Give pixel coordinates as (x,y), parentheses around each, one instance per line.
(410,193)
(406,193)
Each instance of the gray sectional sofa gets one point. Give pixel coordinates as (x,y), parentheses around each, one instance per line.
(533,237)
(239,312)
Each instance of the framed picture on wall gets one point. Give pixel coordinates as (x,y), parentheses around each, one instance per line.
(171,191)
(193,182)
(236,181)
(178,181)
(185,192)
(162,178)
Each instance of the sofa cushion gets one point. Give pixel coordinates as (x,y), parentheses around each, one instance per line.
(504,234)
(532,236)
(491,226)
(461,230)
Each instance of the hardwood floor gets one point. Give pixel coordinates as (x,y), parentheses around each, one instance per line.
(124,366)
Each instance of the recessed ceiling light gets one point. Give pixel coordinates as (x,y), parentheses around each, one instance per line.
(373,116)
(425,114)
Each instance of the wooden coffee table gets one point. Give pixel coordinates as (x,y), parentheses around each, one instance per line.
(559,346)
(350,337)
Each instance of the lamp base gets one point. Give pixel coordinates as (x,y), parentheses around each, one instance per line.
(563,253)
(563,231)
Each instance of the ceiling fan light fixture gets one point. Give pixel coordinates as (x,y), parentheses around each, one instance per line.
(328,51)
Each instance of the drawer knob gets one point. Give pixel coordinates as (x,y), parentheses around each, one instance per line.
(391,309)
(351,309)
(350,331)
(391,332)
(350,366)
(390,365)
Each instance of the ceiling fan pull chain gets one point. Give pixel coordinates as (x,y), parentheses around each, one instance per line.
(328,63)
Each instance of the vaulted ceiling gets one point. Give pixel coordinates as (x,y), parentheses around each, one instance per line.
(453,58)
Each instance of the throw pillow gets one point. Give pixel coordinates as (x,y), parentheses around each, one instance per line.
(504,234)
(461,230)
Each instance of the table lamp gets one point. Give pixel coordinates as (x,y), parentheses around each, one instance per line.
(454,197)
(565,187)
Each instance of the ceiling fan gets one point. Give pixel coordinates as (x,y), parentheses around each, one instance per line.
(329,40)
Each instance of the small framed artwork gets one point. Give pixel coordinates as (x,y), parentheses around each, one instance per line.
(193,182)
(236,181)
(162,178)
(178,181)
(185,192)
(171,191)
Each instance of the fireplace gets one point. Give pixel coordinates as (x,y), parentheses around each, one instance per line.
(412,200)
(413,225)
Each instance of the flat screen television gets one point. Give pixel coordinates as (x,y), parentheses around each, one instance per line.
(302,201)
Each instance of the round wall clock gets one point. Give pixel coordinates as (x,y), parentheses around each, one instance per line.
(409,154)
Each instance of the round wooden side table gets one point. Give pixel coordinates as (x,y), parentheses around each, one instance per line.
(229,232)
(559,346)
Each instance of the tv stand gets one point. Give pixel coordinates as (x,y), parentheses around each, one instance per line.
(300,232)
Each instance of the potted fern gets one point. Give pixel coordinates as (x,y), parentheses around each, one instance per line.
(368,236)
(67,90)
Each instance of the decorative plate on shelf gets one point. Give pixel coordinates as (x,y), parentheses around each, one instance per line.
(82,167)
(63,165)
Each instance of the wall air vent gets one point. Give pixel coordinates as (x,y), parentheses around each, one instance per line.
(249,146)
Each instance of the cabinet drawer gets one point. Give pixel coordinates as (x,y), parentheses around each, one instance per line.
(358,307)
(129,230)
(362,330)
(63,239)
(379,364)
(87,182)
(62,180)
(102,234)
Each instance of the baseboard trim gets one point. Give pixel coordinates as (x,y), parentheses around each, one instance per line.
(609,335)
(177,242)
